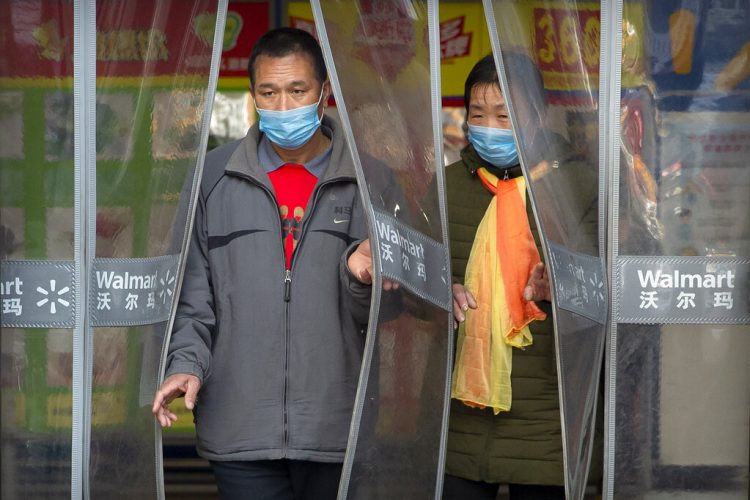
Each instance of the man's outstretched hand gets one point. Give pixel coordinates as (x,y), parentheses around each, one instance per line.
(360,265)
(173,387)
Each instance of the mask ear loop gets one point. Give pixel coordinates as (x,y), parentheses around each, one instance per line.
(320,99)
(255,104)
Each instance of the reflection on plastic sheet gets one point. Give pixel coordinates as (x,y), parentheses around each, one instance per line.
(110,356)
(58,126)
(59,234)
(402,374)
(705,184)
(114,231)
(388,137)
(114,118)
(11,123)
(230,116)
(382,64)
(114,121)
(162,226)
(59,358)
(386,78)
(563,170)
(550,53)
(13,361)
(175,125)
(11,233)
(684,192)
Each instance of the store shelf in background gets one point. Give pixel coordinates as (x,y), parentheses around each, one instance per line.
(186,475)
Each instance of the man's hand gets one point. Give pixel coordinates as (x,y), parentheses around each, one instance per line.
(462,301)
(173,387)
(538,286)
(360,265)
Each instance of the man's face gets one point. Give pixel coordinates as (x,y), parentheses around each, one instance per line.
(283,83)
(487,107)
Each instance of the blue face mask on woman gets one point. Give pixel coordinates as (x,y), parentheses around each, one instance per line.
(290,128)
(494,145)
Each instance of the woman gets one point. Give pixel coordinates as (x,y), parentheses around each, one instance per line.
(505,416)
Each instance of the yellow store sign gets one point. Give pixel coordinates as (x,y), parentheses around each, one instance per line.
(563,42)
(108,408)
(463,39)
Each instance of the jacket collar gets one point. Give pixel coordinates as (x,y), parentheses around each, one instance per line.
(244,161)
(473,162)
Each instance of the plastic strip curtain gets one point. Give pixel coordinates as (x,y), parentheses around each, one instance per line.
(155,83)
(547,54)
(188,220)
(679,382)
(384,68)
(84,235)
(37,222)
(99,156)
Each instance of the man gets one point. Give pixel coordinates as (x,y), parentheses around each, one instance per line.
(269,331)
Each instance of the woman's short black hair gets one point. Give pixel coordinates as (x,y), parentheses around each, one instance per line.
(282,42)
(483,73)
(525,82)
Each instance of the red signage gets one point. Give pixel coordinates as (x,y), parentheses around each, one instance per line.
(133,38)
(37,39)
(453,41)
(246,22)
(563,39)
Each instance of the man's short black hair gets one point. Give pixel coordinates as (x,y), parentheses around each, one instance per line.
(282,42)
(483,73)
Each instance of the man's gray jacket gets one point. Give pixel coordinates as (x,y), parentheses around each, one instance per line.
(278,353)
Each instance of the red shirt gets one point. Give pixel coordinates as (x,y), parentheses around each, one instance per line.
(293,185)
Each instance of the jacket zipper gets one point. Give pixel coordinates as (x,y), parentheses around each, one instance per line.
(288,285)
(288,298)
(287,293)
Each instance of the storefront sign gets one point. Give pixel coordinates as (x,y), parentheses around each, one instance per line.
(580,283)
(246,22)
(37,294)
(693,290)
(565,41)
(124,292)
(412,259)
(125,41)
(463,39)
(127,292)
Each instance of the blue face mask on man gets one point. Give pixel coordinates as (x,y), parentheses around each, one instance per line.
(495,145)
(291,128)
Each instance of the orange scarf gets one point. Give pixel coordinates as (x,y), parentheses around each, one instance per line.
(500,263)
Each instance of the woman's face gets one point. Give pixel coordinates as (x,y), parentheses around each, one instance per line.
(487,107)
